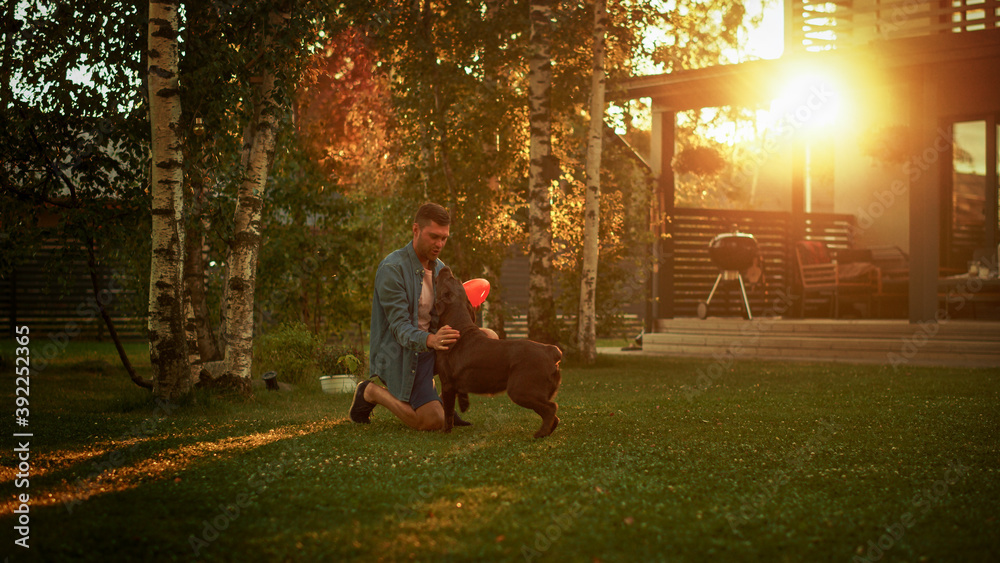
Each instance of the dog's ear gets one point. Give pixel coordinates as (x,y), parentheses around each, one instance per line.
(443,293)
(441,286)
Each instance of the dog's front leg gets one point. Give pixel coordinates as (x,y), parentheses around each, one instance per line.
(448,400)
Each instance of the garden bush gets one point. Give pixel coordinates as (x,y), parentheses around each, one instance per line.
(290,351)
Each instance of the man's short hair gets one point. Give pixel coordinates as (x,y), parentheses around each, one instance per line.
(432,212)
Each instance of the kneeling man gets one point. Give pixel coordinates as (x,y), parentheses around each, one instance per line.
(402,345)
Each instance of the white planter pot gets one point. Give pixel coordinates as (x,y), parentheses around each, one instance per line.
(338,383)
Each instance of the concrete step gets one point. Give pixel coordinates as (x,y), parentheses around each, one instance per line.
(959,343)
(977,330)
(819,343)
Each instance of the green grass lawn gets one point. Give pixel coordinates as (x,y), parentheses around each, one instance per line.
(775,461)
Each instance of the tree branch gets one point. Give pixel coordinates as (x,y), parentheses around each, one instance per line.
(31,197)
(92,267)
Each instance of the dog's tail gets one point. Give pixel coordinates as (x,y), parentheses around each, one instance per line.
(555,353)
(463,402)
(556,376)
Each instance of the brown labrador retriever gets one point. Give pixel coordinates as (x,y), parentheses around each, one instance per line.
(528,371)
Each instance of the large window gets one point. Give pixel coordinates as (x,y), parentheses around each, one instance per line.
(972,221)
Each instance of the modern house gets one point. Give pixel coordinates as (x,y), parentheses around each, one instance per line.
(887,145)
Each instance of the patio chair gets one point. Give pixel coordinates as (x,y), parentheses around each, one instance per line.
(822,277)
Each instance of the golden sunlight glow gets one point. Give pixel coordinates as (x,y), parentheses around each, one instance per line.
(813,100)
(116,477)
(810,100)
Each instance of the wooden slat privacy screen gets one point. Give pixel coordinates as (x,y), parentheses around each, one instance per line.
(694,273)
(52,294)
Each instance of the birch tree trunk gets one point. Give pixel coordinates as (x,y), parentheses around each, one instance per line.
(190,328)
(541,171)
(167,341)
(259,144)
(203,20)
(587,332)
(198,325)
(202,346)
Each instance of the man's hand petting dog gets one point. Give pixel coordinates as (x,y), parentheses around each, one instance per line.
(443,338)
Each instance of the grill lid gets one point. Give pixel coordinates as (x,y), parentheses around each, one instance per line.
(733,251)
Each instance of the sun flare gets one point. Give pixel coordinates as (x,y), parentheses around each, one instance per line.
(812,101)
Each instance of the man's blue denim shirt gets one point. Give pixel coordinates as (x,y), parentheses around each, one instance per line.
(395,339)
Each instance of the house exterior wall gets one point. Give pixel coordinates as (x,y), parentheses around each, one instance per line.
(774,191)
(875,191)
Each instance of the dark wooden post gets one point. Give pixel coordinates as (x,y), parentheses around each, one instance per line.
(925,193)
(663,138)
(992,183)
(796,219)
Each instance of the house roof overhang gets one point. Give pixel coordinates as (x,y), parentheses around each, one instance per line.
(757,82)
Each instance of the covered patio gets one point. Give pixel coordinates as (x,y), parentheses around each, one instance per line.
(935,85)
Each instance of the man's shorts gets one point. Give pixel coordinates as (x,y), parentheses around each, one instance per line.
(423,384)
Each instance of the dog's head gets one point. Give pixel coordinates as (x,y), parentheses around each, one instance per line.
(451,302)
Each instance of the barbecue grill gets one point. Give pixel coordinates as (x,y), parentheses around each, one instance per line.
(733,253)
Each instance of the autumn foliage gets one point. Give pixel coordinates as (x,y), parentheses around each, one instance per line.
(343,113)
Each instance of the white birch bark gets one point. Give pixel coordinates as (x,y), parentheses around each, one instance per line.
(541,309)
(246,244)
(259,142)
(586,329)
(167,341)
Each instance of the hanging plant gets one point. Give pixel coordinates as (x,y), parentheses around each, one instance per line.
(700,161)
